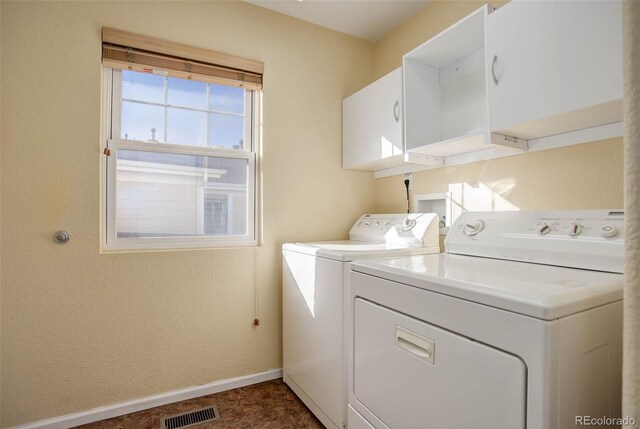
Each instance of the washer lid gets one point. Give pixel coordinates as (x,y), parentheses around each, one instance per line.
(349,250)
(541,291)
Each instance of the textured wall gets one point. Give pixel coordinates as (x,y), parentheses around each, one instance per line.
(577,177)
(631,356)
(82,329)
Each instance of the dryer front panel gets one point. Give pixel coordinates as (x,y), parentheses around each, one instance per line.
(411,374)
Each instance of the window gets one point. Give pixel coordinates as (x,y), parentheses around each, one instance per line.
(182,164)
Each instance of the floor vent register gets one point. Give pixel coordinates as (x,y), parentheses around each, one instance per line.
(191,418)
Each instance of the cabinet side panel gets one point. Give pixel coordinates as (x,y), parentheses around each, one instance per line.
(354,131)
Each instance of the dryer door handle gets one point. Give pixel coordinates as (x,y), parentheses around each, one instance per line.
(417,345)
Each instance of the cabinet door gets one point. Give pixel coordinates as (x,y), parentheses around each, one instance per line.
(558,66)
(372,124)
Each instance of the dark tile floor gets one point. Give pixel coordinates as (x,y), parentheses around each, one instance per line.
(269,405)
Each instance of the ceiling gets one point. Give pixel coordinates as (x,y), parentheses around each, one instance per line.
(366,19)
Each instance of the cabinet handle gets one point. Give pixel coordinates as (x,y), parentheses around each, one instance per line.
(396,111)
(493,70)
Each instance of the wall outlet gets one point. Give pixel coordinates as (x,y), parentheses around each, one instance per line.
(409,176)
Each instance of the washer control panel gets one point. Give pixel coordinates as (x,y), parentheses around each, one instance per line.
(591,239)
(403,229)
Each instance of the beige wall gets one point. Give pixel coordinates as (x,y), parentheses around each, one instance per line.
(577,177)
(82,329)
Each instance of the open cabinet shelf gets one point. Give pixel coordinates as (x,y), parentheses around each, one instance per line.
(445,93)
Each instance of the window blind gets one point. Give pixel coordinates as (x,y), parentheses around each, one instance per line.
(131,51)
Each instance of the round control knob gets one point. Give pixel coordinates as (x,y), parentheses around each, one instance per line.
(544,229)
(574,229)
(608,231)
(408,224)
(472,228)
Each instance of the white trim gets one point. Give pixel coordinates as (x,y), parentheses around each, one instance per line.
(178,106)
(588,135)
(170,169)
(104,160)
(229,197)
(256,148)
(135,405)
(180,149)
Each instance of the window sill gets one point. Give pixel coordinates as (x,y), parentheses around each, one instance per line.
(114,249)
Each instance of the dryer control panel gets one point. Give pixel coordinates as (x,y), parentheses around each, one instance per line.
(403,229)
(589,239)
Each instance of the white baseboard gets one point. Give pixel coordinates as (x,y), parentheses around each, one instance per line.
(115,410)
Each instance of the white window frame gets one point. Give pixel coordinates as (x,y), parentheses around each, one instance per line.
(113,141)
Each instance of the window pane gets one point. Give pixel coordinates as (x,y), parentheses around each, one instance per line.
(174,195)
(226,99)
(186,127)
(226,131)
(188,93)
(216,219)
(142,122)
(142,86)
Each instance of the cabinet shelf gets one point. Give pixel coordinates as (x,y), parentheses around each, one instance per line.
(472,141)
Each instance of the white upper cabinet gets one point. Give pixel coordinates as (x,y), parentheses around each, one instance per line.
(554,66)
(372,125)
(530,76)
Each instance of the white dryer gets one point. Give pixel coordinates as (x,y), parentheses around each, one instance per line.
(517,325)
(315,277)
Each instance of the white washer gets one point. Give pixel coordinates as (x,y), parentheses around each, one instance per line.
(315,277)
(518,324)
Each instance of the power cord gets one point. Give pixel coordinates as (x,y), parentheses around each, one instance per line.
(406,185)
